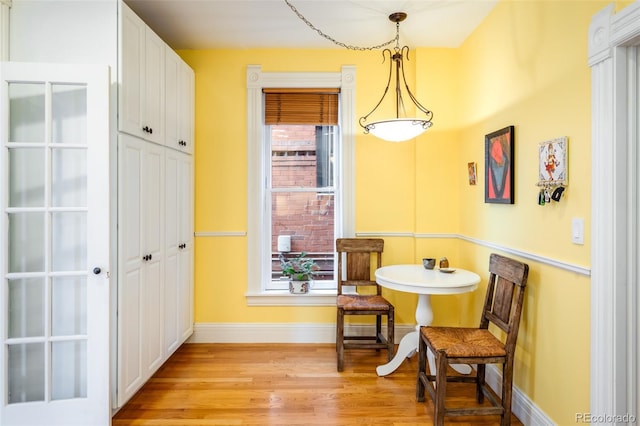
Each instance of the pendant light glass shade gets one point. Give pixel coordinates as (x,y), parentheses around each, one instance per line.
(398,129)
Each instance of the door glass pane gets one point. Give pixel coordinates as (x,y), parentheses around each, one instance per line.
(26,313)
(69,178)
(26,372)
(26,112)
(68,306)
(69,241)
(69,369)
(26,177)
(26,235)
(69,113)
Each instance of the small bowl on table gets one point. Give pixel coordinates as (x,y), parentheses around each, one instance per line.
(429,262)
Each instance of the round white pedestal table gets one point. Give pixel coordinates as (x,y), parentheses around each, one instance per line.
(423,282)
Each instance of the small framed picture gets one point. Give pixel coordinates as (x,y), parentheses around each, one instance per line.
(473,178)
(499,166)
(552,162)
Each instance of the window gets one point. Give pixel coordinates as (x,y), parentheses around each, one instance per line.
(302,195)
(326,151)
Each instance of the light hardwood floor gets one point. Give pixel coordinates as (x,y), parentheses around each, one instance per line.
(284,384)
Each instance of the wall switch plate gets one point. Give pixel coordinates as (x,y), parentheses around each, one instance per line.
(577,230)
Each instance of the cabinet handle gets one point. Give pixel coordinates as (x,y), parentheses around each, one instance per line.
(147,257)
(145,129)
(97,270)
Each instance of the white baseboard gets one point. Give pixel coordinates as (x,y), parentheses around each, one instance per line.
(523,408)
(280,332)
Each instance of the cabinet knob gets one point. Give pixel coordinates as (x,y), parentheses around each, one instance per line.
(97,270)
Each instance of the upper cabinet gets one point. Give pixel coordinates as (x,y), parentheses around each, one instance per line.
(179,103)
(142,80)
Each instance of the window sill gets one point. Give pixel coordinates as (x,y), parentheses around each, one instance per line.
(284,298)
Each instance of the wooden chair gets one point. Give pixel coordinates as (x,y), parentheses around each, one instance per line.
(357,253)
(456,345)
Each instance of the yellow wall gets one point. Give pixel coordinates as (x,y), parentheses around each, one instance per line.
(526,65)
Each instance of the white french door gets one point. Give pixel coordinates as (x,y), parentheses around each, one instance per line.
(54,256)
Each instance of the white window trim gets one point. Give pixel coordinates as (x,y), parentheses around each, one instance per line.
(256,265)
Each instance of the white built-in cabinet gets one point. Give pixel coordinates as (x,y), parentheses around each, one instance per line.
(155,198)
(151,171)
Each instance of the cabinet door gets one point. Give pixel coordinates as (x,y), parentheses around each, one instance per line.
(131,73)
(179,95)
(153,231)
(186,91)
(172,252)
(179,249)
(131,266)
(171,132)
(185,282)
(154,51)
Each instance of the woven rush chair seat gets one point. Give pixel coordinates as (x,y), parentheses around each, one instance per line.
(458,345)
(464,342)
(355,303)
(355,270)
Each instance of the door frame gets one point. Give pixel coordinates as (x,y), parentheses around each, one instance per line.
(613,40)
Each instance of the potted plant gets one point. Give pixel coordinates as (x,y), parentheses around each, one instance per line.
(300,271)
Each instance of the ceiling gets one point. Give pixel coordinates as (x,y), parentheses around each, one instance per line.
(239,24)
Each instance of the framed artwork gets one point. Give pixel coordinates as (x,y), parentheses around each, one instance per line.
(499,166)
(473,178)
(552,162)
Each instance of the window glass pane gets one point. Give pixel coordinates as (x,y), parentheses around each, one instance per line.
(26,372)
(26,112)
(69,113)
(309,219)
(303,197)
(26,177)
(26,299)
(69,369)
(69,178)
(68,306)
(26,240)
(293,156)
(69,241)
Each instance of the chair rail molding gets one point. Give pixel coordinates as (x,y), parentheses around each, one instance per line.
(613,42)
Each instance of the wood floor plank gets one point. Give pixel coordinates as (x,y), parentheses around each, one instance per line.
(284,384)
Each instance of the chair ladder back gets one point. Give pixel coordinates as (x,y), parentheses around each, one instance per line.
(358,253)
(505,295)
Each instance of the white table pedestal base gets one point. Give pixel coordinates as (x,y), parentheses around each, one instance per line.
(409,344)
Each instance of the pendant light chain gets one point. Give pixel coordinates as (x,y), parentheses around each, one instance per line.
(396,39)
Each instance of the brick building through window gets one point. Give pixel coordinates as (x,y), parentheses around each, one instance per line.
(303,194)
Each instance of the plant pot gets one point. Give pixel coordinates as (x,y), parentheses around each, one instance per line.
(298,287)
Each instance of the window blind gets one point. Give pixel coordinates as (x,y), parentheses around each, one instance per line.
(301,106)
